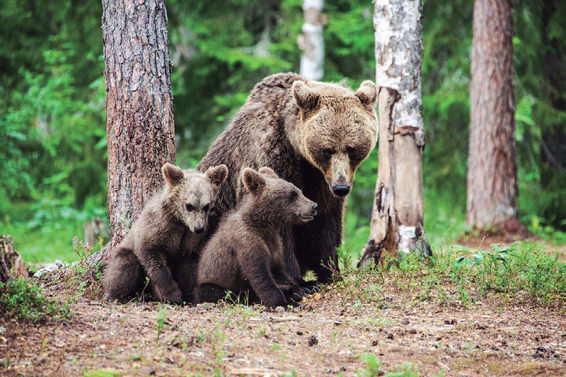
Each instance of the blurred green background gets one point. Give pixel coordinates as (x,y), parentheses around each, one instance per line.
(52,122)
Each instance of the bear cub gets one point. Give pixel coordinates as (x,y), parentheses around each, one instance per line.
(246,252)
(163,243)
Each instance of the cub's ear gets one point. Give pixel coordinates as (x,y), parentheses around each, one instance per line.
(254,181)
(268,172)
(305,97)
(367,93)
(217,175)
(172,174)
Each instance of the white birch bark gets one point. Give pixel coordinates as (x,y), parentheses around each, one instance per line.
(311,42)
(397,216)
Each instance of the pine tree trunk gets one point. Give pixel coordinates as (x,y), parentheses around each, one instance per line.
(397,216)
(139,107)
(492,168)
(312,42)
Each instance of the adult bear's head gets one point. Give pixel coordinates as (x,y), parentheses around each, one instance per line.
(338,128)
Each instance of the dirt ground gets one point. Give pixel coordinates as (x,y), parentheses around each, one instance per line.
(327,336)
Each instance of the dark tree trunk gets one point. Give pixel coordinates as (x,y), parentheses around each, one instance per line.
(492,167)
(139,107)
(397,221)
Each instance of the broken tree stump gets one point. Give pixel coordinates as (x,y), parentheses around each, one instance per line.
(12,266)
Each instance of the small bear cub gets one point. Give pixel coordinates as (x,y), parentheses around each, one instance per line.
(245,255)
(164,242)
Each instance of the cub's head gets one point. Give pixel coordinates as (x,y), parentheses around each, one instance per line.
(190,194)
(338,128)
(276,200)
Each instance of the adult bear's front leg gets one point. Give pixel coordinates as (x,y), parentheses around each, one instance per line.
(316,243)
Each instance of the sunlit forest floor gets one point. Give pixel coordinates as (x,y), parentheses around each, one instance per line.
(465,313)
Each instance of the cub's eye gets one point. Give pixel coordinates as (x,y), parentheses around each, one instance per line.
(206,208)
(190,207)
(326,153)
(352,151)
(293,195)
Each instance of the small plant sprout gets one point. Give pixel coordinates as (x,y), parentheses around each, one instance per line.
(161,317)
(82,250)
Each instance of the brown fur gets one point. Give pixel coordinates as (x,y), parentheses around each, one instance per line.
(247,250)
(163,243)
(311,134)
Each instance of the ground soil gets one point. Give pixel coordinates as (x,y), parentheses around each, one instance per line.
(507,233)
(327,336)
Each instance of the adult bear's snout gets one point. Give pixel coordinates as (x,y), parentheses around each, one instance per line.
(341,190)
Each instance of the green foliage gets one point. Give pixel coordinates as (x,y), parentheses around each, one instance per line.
(161,317)
(512,269)
(26,301)
(52,155)
(372,365)
(522,268)
(83,251)
(373,368)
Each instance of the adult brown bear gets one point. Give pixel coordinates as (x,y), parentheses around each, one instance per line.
(311,134)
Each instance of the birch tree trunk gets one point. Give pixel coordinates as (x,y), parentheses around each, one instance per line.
(397,216)
(312,42)
(492,167)
(139,107)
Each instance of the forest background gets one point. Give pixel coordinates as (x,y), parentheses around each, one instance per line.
(52,119)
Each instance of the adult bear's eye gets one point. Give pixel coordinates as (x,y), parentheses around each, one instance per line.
(206,208)
(293,195)
(190,207)
(352,152)
(326,153)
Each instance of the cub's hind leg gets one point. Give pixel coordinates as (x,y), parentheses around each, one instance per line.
(124,277)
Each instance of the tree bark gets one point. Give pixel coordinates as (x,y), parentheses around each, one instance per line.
(492,167)
(397,221)
(312,42)
(12,266)
(139,107)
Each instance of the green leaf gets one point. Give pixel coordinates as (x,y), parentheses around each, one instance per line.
(478,258)
(458,263)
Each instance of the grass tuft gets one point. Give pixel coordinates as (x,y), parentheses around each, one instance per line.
(25,301)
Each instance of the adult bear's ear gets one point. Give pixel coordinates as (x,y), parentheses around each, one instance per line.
(217,175)
(305,97)
(268,172)
(367,93)
(254,181)
(172,174)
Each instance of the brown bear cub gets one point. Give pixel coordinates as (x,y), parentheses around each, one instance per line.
(246,252)
(313,135)
(163,243)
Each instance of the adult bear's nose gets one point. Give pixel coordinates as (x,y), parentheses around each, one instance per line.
(199,230)
(341,190)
